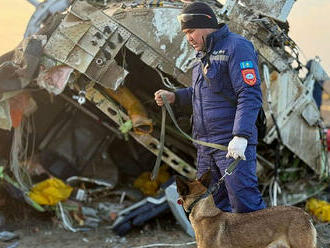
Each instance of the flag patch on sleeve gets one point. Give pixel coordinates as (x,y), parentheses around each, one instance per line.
(246,65)
(249,76)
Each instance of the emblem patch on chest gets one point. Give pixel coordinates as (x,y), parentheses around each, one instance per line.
(249,76)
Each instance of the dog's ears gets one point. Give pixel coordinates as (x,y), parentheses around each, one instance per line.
(205,179)
(182,187)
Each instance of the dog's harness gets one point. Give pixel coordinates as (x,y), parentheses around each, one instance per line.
(215,186)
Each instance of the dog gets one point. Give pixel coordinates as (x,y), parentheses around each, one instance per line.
(275,227)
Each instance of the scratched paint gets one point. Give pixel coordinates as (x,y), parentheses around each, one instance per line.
(166,24)
(185,55)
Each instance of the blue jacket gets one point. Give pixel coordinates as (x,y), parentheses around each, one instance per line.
(232,70)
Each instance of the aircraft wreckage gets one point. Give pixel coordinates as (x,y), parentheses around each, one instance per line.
(107,58)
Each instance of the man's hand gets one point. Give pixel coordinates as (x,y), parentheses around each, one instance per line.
(237,147)
(170,97)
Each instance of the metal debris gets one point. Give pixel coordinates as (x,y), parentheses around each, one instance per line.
(7,236)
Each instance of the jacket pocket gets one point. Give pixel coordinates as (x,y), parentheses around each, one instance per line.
(213,78)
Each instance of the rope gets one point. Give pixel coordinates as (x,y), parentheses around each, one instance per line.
(161,144)
(167,107)
(170,112)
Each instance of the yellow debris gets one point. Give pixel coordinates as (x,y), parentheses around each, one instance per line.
(50,192)
(149,187)
(319,208)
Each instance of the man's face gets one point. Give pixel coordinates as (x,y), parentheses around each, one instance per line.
(195,37)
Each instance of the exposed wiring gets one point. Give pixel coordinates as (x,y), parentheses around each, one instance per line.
(66,219)
(18,154)
(274,187)
(166,81)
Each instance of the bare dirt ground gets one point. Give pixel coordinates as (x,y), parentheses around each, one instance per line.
(38,230)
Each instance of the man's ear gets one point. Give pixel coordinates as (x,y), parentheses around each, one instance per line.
(182,187)
(205,179)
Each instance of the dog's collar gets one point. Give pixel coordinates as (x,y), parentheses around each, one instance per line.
(197,200)
(209,191)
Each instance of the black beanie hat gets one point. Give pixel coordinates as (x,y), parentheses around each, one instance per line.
(199,21)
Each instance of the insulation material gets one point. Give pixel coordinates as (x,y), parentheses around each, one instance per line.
(319,208)
(20,105)
(134,108)
(5,120)
(50,192)
(150,187)
(54,79)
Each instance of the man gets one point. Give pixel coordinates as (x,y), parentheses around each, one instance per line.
(226,99)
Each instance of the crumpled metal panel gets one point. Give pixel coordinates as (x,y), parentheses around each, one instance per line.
(58,46)
(91,42)
(150,57)
(103,23)
(311,114)
(305,142)
(270,55)
(135,45)
(158,29)
(75,29)
(114,76)
(243,25)
(88,41)
(278,9)
(290,103)
(79,59)
(102,64)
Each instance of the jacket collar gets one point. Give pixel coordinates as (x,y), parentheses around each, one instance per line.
(213,38)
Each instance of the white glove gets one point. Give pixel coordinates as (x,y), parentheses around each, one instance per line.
(237,147)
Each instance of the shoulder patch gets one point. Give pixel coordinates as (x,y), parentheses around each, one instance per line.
(249,76)
(246,65)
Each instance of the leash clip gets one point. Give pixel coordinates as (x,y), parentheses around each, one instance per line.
(228,173)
